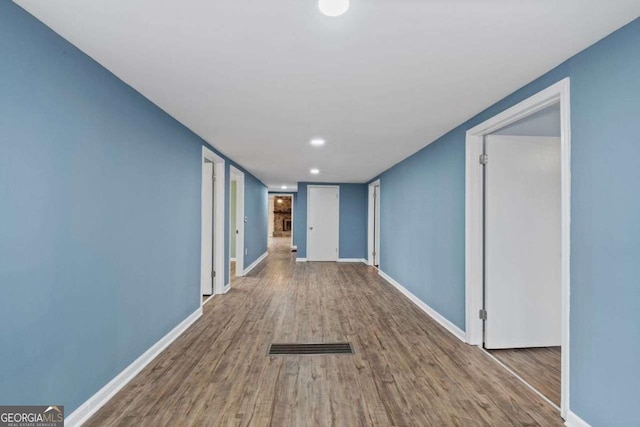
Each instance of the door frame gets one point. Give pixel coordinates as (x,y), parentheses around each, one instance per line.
(337,187)
(371,224)
(218,223)
(474,215)
(293,201)
(270,198)
(237,175)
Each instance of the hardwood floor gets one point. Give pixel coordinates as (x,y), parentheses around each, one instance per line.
(406,370)
(540,367)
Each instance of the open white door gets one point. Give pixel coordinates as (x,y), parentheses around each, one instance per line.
(523,294)
(323,222)
(207,229)
(237,233)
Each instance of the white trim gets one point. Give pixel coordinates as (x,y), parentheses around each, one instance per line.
(227,288)
(529,106)
(301,260)
(565,146)
(219,218)
(293,210)
(457,332)
(237,175)
(98,400)
(255,263)
(232,259)
(338,227)
(371,221)
(559,92)
(573,420)
(474,269)
(353,260)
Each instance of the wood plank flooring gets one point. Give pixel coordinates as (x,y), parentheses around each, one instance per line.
(406,370)
(540,367)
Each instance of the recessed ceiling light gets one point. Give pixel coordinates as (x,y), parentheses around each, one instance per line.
(284,187)
(333,7)
(314,171)
(318,142)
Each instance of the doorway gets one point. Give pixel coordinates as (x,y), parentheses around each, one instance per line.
(517,241)
(373,239)
(323,216)
(522,257)
(281,211)
(236,223)
(212,225)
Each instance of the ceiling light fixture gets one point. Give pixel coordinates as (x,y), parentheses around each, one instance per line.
(284,187)
(333,7)
(318,142)
(314,171)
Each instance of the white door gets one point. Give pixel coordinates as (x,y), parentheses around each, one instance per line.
(376,226)
(522,242)
(323,223)
(207,229)
(237,233)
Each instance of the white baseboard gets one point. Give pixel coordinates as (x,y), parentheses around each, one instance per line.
(294,248)
(232,259)
(457,332)
(575,421)
(301,260)
(352,260)
(226,289)
(98,400)
(255,263)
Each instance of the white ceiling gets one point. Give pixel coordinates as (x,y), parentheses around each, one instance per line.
(258,79)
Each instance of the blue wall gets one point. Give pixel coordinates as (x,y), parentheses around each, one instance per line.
(421,209)
(300,221)
(605,230)
(256,205)
(423,242)
(353,220)
(255,212)
(99,219)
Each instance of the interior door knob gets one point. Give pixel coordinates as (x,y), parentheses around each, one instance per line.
(310,228)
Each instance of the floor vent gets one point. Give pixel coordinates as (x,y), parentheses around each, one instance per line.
(310,349)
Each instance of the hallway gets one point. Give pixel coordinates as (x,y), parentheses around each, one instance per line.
(406,370)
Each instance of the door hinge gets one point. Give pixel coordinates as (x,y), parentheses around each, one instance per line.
(484,158)
(483,314)
(213,274)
